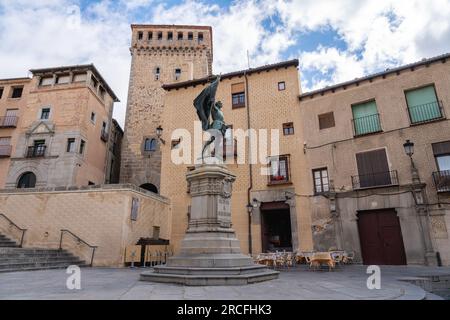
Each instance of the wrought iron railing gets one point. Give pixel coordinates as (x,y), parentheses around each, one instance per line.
(5,151)
(426,112)
(373,180)
(366,125)
(12,224)
(36,151)
(8,122)
(77,238)
(442,180)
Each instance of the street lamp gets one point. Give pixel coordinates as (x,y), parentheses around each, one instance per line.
(249,209)
(409,150)
(159,132)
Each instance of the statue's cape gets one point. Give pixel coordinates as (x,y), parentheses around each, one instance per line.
(205,101)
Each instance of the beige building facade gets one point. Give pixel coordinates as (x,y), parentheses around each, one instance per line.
(368,199)
(161,54)
(61,127)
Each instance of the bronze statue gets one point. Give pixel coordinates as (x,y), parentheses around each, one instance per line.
(207,107)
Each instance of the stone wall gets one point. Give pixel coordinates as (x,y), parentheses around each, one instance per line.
(99,215)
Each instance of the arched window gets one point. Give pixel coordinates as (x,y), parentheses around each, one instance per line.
(150,145)
(27,180)
(149,187)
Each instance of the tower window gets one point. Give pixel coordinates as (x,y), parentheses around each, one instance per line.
(45,113)
(190,36)
(82,146)
(170,36)
(17,92)
(150,145)
(160,36)
(157,73)
(180,35)
(200,37)
(177,74)
(288,129)
(281,86)
(150,35)
(140,35)
(93,116)
(70,145)
(1,92)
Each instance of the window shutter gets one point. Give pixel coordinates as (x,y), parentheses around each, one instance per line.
(326,120)
(237,88)
(441,148)
(423,104)
(365,119)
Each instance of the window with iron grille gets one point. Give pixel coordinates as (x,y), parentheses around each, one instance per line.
(321,181)
(279,170)
(288,129)
(326,120)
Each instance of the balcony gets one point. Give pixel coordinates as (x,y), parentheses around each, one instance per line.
(36,151)
(5,151)
(442,180)
(366,125)
(104,136)
(8,122)
(426,112)
(375,180)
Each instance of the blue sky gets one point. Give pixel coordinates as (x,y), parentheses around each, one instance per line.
(335,40)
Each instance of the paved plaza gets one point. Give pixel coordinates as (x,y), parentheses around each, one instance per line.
(347,283)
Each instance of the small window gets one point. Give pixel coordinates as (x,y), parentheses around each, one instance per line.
(93,116)
(200,37)
(157,73)
(281,86)
(160,35)
(238,100)
(150,35)
(82,146)
(1,93)
(45,114)
(170,36)
(180,35)
(140,35)
(64,79)
(150,145)
(70,145)
(288,129)
(321,181)
(279,170)
(17,92)
(190,36)
(46,81)
(177,74)
(326,120)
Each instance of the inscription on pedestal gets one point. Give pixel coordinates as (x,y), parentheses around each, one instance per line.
(224,210)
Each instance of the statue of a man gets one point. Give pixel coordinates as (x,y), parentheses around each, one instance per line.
(207,107)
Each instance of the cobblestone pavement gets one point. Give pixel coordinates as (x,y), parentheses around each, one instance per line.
(346,283)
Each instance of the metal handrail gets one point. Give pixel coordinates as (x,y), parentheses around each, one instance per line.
(36,151)
(78,239)
(15,225)
(368,181)
(366,123)
(439,104)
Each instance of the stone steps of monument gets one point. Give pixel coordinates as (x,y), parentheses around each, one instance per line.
(210,271)
(210,280)
(13,258)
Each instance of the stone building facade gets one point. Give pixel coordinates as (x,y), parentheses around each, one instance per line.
(367,196)
(61,136)
(161,54)
(115,148)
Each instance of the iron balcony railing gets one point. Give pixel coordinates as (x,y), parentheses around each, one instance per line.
(8,122)
(426,112)
(442,180)
(375,180)
(36,151)
(366,125)
(104,136)
(5,151)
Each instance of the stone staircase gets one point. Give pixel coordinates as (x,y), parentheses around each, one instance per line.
(13,258)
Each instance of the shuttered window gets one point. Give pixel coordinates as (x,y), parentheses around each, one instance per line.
(373,169)
(47,81)
(326,120)
(423,105)
(365,118)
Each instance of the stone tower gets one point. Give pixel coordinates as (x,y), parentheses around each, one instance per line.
(161,54)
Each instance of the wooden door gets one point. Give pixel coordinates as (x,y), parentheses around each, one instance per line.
(381,238)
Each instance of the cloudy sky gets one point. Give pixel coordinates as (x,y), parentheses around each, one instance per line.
(335,40)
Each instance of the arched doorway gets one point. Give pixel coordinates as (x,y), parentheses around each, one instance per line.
(149,187)
(27,180)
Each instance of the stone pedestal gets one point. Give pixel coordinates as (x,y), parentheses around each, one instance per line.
(210,252)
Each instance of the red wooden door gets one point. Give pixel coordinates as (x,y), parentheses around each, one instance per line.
(381,238)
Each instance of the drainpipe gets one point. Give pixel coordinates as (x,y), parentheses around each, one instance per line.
(250,166)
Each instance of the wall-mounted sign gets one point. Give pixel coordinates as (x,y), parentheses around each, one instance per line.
(134,209)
